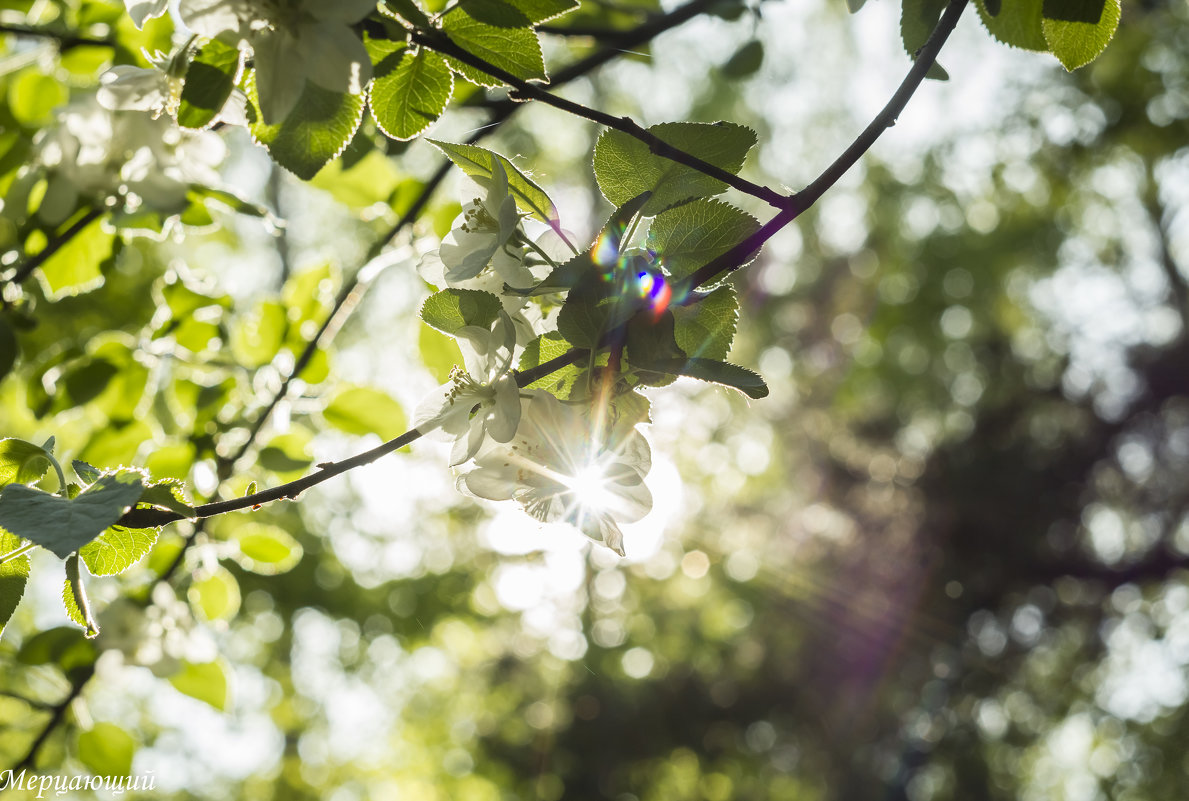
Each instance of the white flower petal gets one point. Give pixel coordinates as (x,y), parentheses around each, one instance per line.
(144,10)
(280,77)
(335,58)
(504,415)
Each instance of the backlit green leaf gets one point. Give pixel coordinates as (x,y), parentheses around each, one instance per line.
(318,128)
(210,78)
(689,236)
(511,45)
(1076,44)
(206,681)
(21,462)
(363,410)
(452,309)
(625,167)
(106,750)
(410,91)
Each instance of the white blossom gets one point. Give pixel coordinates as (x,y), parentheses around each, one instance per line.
(483,233)
(561,466)
(481,401)
(122,159)
(293,41)
(142,11)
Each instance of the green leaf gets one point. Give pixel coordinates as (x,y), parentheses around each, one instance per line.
(64,646)
(106,750)
(286,453)
(559,383)
(21,462)
(439,353)
(33,96)
(706,329)
(363,410)
(746,60)
(318,128)
(206,681)
(407,10)
(231,200)
(652,347)
(918,18)
(63,526)
(1076,44)
(1089,11)
(117,549)
(534,11)
(168,494)
(74,597)
(210,78)
(625,168)
(853,6)
(77,267)
(410,92)
(258,336)
(510,45)
(452,309)
(215,596)
(14,575)
(689,236)
(1018,24)
(729,375)
(477,162)
(87,473)
(266,550)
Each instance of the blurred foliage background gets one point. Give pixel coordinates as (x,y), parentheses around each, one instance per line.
(945,559)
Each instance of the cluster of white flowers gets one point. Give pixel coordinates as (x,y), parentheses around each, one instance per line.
(559,461)
(292,42)
(123,160)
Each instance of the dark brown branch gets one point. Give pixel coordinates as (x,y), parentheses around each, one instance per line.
(804,199)
(435,40)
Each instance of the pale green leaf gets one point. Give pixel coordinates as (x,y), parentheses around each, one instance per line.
(106,750)
(74,598)
(363,410)
(21,462)
(77,266)
(14,575)
(215,596)
(266,549)
(206,681)
(1076,44)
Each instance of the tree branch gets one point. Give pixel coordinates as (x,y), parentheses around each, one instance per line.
(437,41)
(804,199)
